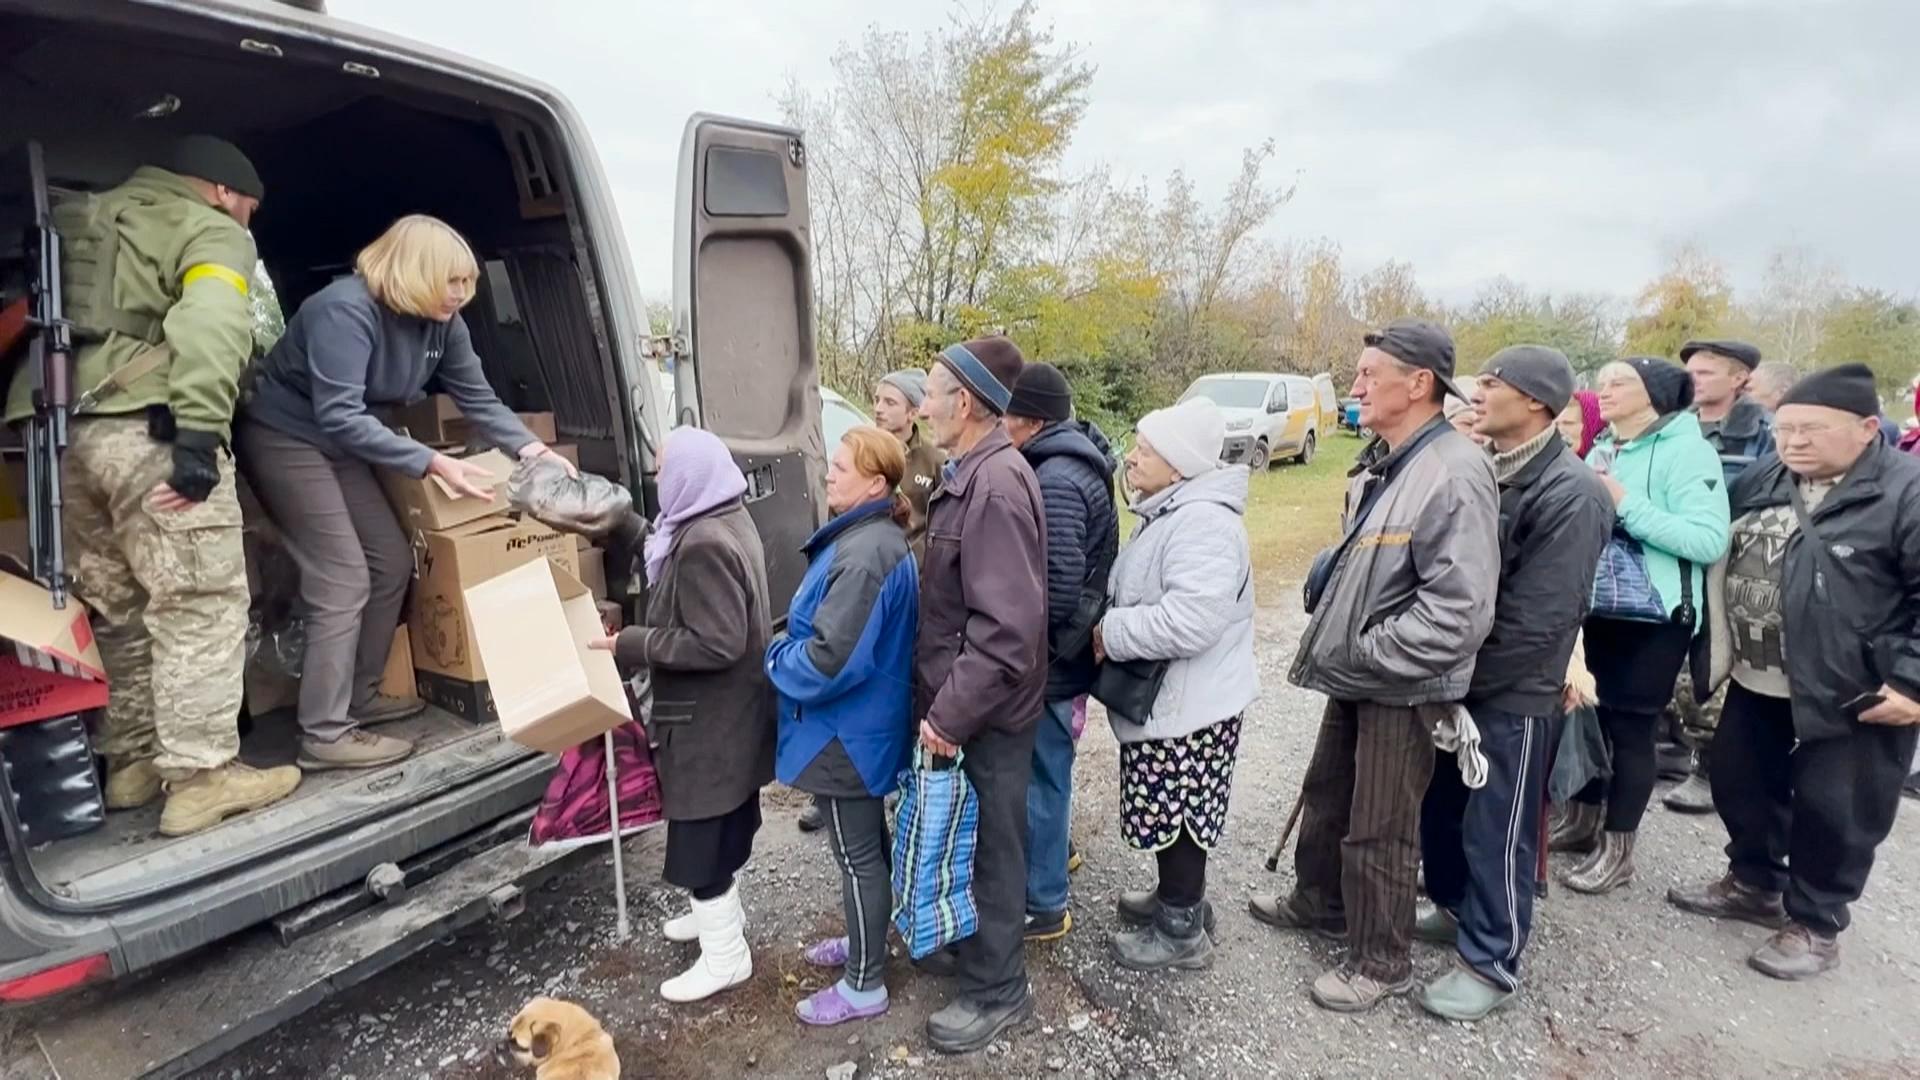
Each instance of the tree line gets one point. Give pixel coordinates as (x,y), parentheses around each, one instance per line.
(942,209)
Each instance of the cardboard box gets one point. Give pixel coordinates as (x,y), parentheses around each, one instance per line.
(469,700)
(533,625)
(568,452)
(461,430)
(396,679)
(427,420)
(449,562)
(49,663)
(593,571)
(428,503)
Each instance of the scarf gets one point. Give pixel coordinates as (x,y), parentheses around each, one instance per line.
(1507,464)
(1591,425)
(697,477)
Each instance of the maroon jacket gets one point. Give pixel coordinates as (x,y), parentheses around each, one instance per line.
(982,655)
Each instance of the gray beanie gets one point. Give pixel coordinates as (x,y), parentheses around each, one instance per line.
(911,383)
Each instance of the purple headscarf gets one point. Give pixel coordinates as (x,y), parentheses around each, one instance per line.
(697,476)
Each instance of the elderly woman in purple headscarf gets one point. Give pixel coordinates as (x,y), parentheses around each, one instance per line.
(704,637)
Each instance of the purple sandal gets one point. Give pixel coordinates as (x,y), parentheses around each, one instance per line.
(827,1008)
(830,953)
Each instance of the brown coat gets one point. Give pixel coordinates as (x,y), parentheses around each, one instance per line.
(705,637)
(982,656)
(924,464)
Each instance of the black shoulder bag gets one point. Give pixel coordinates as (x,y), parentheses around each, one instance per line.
(1128,688)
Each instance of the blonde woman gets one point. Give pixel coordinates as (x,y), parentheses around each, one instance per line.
(309,443)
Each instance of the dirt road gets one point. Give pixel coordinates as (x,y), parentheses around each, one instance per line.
(1619,986)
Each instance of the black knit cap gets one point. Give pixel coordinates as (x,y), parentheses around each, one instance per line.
(1669,387)
(216,161)
(1041,393)
(1746,354)
(1848,388)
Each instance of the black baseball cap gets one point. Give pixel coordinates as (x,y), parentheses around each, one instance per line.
(1422,344)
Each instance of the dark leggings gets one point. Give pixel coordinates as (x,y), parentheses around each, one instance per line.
(1630,739)
(1183,872)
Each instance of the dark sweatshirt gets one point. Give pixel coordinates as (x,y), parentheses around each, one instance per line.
(344,351)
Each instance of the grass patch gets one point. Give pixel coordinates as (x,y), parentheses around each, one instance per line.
(1293,512)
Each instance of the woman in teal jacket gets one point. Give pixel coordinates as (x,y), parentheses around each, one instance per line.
(1671,521)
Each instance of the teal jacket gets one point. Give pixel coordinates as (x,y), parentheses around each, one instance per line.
(1676,503)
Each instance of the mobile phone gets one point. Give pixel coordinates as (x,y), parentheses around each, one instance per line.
(1862,703)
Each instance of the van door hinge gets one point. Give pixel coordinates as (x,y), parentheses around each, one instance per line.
(663,346)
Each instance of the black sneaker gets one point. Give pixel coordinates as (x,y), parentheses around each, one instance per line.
(966,1026)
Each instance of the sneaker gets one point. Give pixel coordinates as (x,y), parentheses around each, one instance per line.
(211,796)
(813,819)
(1283,912)
(1797,952)
(357,749)
(1436,925)
(132,785)
(1342,990)
(1463,996)
(1049,927)
(386,708)
(966,1026)
(1731,898)
(1140,908)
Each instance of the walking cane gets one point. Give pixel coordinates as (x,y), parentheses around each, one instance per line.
(1286,834)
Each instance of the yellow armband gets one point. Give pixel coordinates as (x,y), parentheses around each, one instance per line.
(216,272)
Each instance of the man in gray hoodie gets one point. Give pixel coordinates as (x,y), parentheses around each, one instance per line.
(1400,606)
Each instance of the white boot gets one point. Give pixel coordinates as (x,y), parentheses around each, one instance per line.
(724,960)
(681,929)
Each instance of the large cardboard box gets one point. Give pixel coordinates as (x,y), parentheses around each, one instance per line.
(428,503)
(49,663)
(540,423)
(427,420)
(552,692)
(448,668)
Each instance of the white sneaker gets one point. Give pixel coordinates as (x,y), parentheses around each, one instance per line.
(681,929)
(724,961)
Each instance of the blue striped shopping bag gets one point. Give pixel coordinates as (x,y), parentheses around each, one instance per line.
(934,832)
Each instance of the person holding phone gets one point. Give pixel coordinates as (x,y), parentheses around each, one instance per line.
(309,442)
(1816,622)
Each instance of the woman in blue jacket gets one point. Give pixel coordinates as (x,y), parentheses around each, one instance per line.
(1670,524)
(844,671)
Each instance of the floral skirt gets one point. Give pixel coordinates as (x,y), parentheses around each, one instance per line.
(1170,784)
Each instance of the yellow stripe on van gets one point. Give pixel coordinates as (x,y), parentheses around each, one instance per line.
(216,272)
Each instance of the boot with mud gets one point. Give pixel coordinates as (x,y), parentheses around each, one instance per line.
(1288,913)
(1796,952)
(1141,907)
(1176,939)
(132,784)
(210,796)
(1578,829)
(1606,869)
(1730,898)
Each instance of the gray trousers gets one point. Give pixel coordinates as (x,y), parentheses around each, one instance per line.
(858,831)
(355,566)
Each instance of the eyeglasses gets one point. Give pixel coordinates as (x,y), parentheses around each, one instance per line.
(1811,431)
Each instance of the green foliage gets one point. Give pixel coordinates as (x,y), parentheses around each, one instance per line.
(1691,300)
(1875,329)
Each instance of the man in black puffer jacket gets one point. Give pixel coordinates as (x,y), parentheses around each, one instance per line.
(1075,469)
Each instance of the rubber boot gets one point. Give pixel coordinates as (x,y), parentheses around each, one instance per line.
(1695,794)
(1578,829)
(1608,869)
(724,961)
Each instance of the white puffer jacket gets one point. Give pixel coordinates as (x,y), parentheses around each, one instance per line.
(1182,590)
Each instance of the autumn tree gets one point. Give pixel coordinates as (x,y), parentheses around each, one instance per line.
(1692,299)
(1876,329)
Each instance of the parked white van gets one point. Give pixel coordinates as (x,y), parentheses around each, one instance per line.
(1271,416)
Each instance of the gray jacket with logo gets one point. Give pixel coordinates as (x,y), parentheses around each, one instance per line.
(1411,598)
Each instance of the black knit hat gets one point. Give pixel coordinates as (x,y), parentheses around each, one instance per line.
(988,367)
(1669,387)
(1848,388)
(216,161)
(1041,393)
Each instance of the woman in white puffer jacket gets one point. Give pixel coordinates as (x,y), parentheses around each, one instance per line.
(1182,592)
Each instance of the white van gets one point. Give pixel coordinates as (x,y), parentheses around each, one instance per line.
(1271,416)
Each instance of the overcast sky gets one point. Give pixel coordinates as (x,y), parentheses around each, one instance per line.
(1571,145)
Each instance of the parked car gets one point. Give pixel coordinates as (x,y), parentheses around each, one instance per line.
(1350,416)
(1271,416)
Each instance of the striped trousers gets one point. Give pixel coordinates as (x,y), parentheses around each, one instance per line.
(1359,853)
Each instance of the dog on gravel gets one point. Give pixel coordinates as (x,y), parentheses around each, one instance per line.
(562,1041)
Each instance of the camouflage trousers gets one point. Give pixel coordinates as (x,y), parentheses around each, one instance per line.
(169,594)
(1690,722)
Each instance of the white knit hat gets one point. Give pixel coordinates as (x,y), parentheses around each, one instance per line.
(1188,435)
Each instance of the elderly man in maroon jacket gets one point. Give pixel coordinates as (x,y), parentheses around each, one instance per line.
(981,665)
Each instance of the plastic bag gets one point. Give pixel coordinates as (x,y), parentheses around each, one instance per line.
(1582,756)
(934,834)
(574,810)
(590,505)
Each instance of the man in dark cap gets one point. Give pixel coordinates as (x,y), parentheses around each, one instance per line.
(1083,536)
(1399,608)
(1480,846)
(980,669)
(1814,620)
(162,332)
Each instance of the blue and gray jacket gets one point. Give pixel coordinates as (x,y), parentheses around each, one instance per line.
(844,669)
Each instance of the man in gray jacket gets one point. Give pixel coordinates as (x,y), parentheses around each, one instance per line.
(1400,606)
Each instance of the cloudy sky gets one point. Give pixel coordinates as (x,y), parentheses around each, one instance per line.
(1572,144)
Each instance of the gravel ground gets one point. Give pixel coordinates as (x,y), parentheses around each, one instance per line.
(1617,986)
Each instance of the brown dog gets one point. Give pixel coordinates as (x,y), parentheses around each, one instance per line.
(562,1041)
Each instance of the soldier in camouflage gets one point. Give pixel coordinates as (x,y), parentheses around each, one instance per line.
(156,283)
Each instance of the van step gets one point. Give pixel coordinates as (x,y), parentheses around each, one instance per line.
(194,1011)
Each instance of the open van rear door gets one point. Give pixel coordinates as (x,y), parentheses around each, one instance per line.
(743,325)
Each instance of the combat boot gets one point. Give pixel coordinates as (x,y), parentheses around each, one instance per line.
(132,785)
(1577,830)
(210,796)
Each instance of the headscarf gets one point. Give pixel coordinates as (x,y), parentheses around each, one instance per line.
(1591,425)
(697,477)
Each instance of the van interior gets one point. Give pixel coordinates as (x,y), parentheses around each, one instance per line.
(344,149)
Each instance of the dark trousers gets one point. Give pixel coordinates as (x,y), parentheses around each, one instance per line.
(1635,666)
(1359,851)
(992,964)
(1480,847)
(355,566)
(857,830)
(1805,819)
(1183,872)
(703,854)
(1627,792)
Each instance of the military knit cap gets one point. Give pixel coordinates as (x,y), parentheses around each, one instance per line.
(216,161)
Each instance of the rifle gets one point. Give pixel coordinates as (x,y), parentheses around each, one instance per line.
(49,351)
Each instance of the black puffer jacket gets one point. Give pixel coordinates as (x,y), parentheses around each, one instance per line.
(1075,466)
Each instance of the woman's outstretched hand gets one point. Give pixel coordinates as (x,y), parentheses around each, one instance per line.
(464,477)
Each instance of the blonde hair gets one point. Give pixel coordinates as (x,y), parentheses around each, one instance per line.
(409,266)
